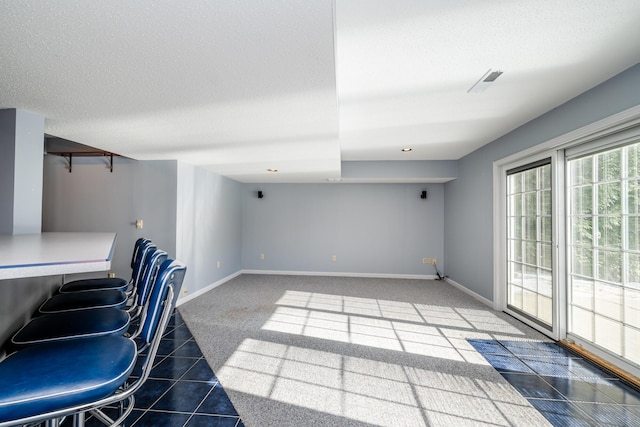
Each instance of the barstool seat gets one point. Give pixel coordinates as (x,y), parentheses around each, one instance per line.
(49,376)
(84,300)
(97,284)
(72,325)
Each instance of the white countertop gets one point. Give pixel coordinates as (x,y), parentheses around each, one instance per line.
(46,254)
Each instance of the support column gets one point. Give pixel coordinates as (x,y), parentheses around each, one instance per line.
(21,170)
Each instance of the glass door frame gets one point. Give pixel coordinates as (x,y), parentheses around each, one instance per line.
(558,326)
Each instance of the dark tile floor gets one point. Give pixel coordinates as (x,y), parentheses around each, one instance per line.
(182,390)
(566,389)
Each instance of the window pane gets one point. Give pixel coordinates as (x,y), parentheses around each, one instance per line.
(609,334)
(609,165)
(633,161)
(530,204)
(544,282)
(545,202)
(531,278)
(530,180)
(531,254)
(546,256)
(515,205)
(610,232)
(582,171)
(515,225)
(633,194)
(514,183)
(634,270)
(582,200)
(608,301)
(515,297)
(582,323)
(582,293)
(609,198)
(632,307)
(609,266)
(632,344)
(545,309)
(583,230)
(532,228)
(515,250)
(545,229)
(515,273)
(545,178)
(582,261)
(530,302)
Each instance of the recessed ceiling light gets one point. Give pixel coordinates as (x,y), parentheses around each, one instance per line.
(406,150)
(272,170)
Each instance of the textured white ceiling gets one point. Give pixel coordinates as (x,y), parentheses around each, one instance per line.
(242,86)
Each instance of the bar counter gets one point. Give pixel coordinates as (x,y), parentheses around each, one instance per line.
(49,254)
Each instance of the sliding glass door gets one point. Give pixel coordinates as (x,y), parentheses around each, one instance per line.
(529,242)
(569,243)
(604,250)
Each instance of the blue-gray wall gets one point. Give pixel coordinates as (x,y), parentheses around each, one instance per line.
(469,198)
(209,226)
(370,228)
(90,198)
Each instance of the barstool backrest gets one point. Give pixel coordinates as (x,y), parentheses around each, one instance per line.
(136,250)
(137,262)
(170,276)
(152,263)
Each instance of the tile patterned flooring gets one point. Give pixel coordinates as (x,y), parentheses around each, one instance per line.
(565,388)
(182,390)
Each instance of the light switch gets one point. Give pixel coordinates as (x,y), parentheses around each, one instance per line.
(139,223)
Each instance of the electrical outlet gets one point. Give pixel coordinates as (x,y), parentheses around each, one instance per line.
(434,261)
(261,256)
(184,292)
(218,264)
(425,260)
(333,258)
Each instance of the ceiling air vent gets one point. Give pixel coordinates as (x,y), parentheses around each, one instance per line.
(485,81)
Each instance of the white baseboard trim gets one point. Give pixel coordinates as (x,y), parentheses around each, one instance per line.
(206,289)
(340,274)
(470,293)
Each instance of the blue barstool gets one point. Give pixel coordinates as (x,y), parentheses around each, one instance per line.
(90,323)
(99,298)
(49,381)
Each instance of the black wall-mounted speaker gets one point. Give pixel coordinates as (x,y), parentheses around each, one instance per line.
(423,195)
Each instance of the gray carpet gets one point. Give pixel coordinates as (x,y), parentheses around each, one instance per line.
(335,351)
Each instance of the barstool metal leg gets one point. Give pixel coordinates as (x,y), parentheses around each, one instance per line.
(78,419)
(52,423)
